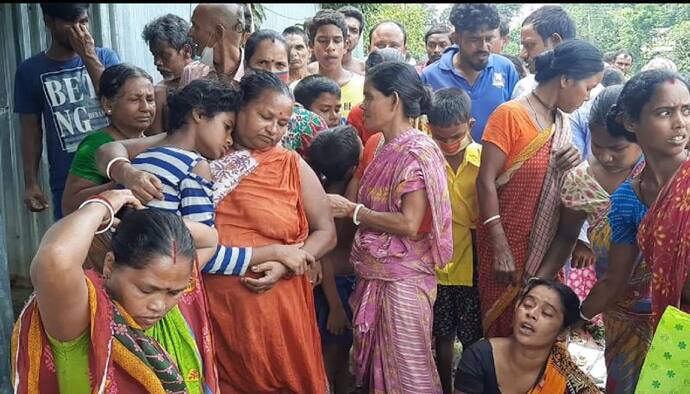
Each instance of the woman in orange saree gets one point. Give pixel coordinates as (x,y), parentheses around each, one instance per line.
(527,149)
(655,108)
(122,332)
(267,340)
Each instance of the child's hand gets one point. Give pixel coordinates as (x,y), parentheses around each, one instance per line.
(273,271)
(315,274)
(338,322)
(294,258)
(583,256)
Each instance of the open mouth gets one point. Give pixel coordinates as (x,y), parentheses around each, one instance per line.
(527,329)
(678,139)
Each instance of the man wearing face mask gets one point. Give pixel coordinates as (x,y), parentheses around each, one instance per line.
(218,31)
(489,79)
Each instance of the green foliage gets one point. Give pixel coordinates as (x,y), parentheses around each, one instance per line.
(508,10)
(680,35)
(645,30)
(259,15)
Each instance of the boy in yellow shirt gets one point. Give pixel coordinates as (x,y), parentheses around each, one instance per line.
(456,311)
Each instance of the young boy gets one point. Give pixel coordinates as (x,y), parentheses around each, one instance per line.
(321,96)
(328,40)
(456,311)
(334,156)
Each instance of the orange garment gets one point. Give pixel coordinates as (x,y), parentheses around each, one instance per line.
(511,130)
(266,343)
(509,127)
(370,148)
(562,375)
(356,119)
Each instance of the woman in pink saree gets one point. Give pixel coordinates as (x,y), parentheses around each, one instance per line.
(403,211)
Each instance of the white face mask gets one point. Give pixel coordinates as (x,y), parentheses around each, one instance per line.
(207,53)
(207,56)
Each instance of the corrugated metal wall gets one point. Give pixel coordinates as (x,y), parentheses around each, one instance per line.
(22,35)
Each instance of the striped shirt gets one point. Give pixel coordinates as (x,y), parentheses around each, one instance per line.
(190,196)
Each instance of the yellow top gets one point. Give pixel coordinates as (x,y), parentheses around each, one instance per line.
(463,200)
(351,94)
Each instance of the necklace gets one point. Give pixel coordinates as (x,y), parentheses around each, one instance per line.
(536,116)
(534,93)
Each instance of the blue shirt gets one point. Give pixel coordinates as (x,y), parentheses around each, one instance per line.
(493,87)
(626,214)
(62,93)
(579,125)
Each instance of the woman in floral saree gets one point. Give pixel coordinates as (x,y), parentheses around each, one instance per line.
(600,190)
(655,108)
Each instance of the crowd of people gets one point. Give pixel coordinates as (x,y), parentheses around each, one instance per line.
(278,215)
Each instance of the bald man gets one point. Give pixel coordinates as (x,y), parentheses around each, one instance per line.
(388,34)
(218,31)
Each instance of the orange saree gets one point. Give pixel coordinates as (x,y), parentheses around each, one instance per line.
(528,199)
(269,342)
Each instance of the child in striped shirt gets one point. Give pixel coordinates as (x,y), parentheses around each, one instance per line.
(201,117)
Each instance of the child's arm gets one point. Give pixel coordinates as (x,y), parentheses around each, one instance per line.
(205,240)
(196,205)
(337,318)
(145,186)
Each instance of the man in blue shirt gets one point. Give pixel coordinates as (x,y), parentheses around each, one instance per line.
(469,65)
(56,90)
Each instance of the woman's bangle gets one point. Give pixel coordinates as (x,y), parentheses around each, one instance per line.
(110,165)
(103,201)
(491,219)
(354,215)
(583,317)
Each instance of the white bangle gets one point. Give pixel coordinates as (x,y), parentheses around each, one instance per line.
(583,317)
(113,161)
(110,211)
(491,219)
(354,215)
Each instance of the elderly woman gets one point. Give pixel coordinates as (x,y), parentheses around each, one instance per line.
(404,212)
(127,97)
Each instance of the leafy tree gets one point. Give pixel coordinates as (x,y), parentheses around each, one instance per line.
(643,29)
(508,10)
(259,15)
(680,34)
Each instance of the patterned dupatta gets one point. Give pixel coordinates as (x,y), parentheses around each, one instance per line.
(664,239)
(546,222)
(122,359)
(229,170)
(562,375)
